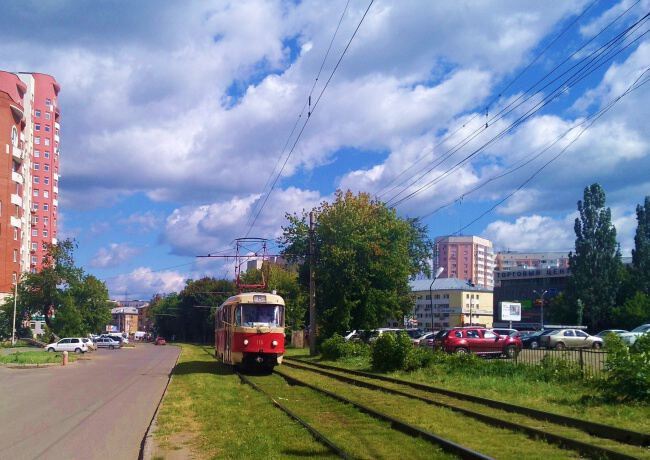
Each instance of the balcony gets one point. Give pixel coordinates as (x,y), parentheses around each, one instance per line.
(15,222)
(56,138)
(15,199)
(57,125)
(54,241)
(55,202)
(56,176)
(55,189)
(17,153)
(17,177)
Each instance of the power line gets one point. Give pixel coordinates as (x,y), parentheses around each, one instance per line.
(526,96)
(302,129)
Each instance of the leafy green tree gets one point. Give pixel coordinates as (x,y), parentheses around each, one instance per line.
(91,298)
(365,256)
(634,311)
(641,251)
(596,262)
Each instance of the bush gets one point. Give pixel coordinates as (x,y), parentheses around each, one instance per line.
(336,348)
(390,352)
(418,358)
(628,370)
(558,370)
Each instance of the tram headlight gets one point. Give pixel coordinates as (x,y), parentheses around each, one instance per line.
(245,342)
(274,343)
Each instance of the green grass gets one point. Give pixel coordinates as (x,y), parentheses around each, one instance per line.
(209,412)
(19,344)
(35,357)
(521,386)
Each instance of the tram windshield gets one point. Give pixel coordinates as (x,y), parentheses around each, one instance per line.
(259,315)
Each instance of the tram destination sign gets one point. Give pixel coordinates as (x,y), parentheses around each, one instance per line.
(510,311)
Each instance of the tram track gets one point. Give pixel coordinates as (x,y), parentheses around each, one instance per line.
(587,446)
(318,436)
(622,435)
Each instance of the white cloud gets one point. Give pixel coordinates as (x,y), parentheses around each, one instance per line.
(143,282)
(532,233)
(142,221)
(113,255)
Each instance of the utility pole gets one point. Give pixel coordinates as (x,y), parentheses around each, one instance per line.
(312,289)
(13,325)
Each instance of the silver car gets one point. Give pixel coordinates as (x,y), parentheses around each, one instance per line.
(570,338)
(106,342)
(631,337)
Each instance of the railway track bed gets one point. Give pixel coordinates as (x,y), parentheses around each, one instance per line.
(495,432)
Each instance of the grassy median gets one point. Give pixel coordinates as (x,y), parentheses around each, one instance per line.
(208,413)
(35,357)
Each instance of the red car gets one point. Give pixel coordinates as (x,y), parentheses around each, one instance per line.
(477,340)
(160,341)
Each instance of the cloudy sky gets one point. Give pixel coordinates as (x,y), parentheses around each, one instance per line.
(175,116)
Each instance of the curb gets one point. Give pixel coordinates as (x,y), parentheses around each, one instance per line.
(146,448)
(31,366)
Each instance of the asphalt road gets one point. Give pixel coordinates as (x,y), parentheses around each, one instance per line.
(95,408)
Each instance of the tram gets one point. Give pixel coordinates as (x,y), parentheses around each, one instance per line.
(249,330)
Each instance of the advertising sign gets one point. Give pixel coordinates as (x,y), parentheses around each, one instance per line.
(510,311)
(111,328)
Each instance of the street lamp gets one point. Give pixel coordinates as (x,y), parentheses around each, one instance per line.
(435,277)
(13,325)
(542,297)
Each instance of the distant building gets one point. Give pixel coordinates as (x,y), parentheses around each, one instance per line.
(144,322)
(526,286)
(509,261)
(256,263)
(468,258)
(125,319)
(453,302)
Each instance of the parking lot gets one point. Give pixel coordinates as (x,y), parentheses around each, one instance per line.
(97,407)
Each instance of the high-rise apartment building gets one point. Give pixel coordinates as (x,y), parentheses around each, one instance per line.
(465,257)
(508,260)
(29,172)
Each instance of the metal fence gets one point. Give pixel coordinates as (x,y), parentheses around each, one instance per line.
(591,362)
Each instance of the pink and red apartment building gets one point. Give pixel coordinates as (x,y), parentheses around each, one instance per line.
(29,172)
(465,257)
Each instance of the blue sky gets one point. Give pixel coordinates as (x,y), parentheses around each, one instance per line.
(174,114)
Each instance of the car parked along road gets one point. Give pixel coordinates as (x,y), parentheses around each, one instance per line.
(477,340)
(74,344)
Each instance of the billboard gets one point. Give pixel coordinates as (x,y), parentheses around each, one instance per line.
(510,311)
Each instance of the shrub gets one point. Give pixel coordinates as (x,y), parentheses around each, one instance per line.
(336,348)
(418,358)
(628,370)
(390,352)
(558,370)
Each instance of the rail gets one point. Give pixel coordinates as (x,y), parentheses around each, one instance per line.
(597,429)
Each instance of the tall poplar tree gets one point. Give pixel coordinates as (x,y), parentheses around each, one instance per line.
(641,251)
(596,264)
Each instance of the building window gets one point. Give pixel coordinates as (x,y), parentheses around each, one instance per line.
(47,115)
(34,232)
(37,140)
(35,192)
(34,259)
(34,246)
(37,113)
(47,154)
(15,255)
(35,206)
(46,194)
(46,221)
(14,136)
(37,166)
(47,128)
(46,207)
(36,179)
(48,101)
(46,180)
(37,126)
(45,233)
(15,233)
(47,141)
(46,167)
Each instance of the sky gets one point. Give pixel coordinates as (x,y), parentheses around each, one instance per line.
(175,115)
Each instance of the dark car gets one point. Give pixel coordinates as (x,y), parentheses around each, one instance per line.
(532,340)
(477,340)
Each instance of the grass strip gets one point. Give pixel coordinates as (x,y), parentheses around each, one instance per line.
(362,436)
(575,399)
(489,440)
(35,357)
(209,411)
(520,419)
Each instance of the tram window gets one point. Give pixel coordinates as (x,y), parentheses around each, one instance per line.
(258,315)
(238,316)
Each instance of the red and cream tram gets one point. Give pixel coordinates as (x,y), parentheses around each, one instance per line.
(249,330)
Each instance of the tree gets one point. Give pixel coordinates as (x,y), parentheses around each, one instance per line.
(641,251)
(365,256)
(596,264)
(73,303)
(634,311)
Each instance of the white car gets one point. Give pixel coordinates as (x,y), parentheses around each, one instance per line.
(90,344)
(68,344)
(631,337)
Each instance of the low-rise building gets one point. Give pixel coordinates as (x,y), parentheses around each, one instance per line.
(125,319)
(455,303)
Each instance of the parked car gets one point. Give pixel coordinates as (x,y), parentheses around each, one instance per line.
(603,334)
(68,344)
(508,332)
(383,330)
(430,341)
(90,344)
(631,337)
(477,340)
(422,340)
(570,338)
(532,340)
(160,341)
(108,342)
